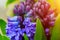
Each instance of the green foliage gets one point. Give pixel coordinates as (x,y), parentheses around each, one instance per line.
(2,30)
(2,26)
(44,37)
(25,37)
(3,37)
(56,30)
(0,37)
(9,2)
(39,35)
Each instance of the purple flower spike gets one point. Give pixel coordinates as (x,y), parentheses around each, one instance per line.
(13,19)
(13,29)
(27,21)
(30,28)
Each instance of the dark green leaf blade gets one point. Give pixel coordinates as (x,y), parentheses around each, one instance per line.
(56,30)
(25,37)
(2,26)
(39,35)
(0,37)
(44,36)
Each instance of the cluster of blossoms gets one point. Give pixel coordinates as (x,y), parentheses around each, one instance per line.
(24,21)
(14,30)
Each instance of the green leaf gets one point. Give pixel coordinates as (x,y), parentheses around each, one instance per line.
(56,29)
(39,35)
(9,2)
(4,37)
(0,37)
(1,32)
(44,36)
(2,26)
(25,37)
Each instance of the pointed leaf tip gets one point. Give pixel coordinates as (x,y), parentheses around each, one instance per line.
(39,35)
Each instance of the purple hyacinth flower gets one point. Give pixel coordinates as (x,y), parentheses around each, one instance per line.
(19,9)
(13,19)
(30,28)
(27,21)
(13,29)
